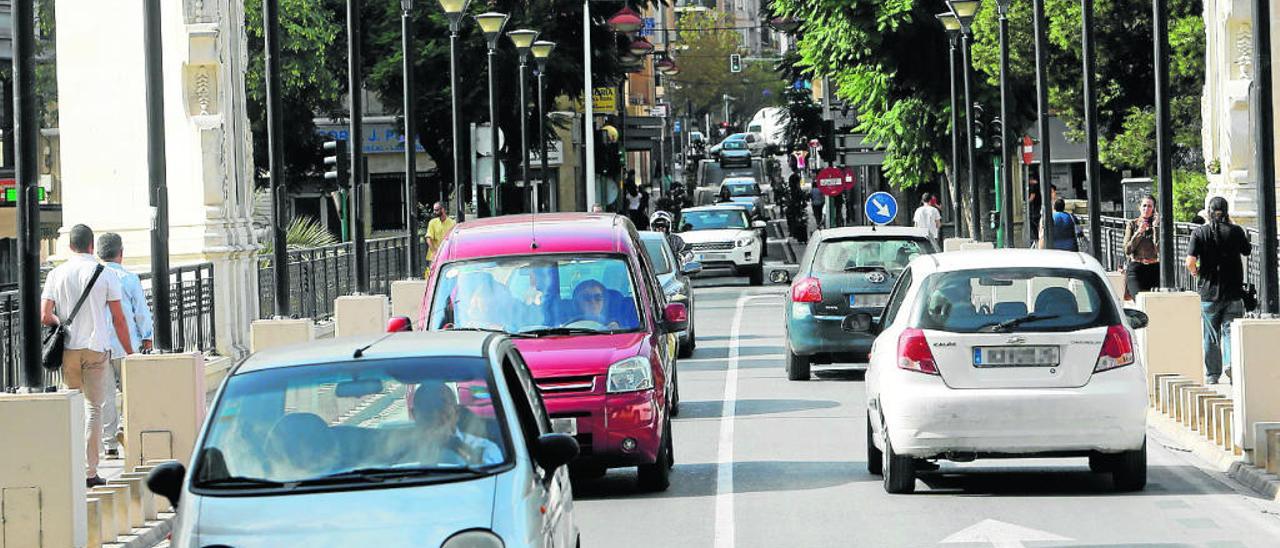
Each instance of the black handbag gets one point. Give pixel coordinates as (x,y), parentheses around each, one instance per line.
(1250,297)
(55,339)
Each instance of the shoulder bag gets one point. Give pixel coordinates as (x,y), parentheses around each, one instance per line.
(55,339)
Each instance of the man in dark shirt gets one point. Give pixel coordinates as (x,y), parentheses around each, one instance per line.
(1215,257)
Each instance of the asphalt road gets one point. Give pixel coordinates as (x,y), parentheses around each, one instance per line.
(761,461)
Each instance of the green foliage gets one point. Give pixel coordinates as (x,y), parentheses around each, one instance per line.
(704,63)
(1134,147)
(1190,188)
(301,233)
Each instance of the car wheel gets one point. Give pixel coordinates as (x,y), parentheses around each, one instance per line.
(899,472)
(675,391)
(1099,463)
(691,343)
(1129,469)
(657,476)
(757,274)
(797,366)
(875,464)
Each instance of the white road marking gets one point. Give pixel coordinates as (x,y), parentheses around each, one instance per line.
(1000,534)
(724,462)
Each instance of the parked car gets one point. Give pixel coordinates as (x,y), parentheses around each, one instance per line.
(1004,353)
(734,154)
(673,276)
(843,270)
(314,445)
(724,238)
(579,295)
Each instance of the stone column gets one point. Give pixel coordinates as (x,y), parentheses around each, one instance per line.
(209,145)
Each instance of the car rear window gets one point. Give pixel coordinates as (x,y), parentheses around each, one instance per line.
(892,254)
(1015,300)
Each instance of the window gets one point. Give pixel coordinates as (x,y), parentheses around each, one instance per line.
(896,298)
(537,295)
(713,219)
(892,254)
(525,400)
(1015,299)
(658,255)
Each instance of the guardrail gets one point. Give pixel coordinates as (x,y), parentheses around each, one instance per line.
(191,309)
(1113,257)
(319,275)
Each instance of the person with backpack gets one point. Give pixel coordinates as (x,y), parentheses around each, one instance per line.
(1215,257)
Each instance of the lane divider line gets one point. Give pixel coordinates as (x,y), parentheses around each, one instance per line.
(724,532)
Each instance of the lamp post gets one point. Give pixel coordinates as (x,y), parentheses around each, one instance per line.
(275,158)
(410,142)
(1264,157)
(1091,130)
(356,131)
(1164,173)
(588,113)
(523,40)
(1042,115)
(541,51)
(453,11)
(491,23)
(27,172)
(964,10)
(1006,169)
(952,26)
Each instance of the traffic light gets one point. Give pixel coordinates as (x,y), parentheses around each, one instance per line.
(337,164)
(996,128)
(828,137)
(735,63)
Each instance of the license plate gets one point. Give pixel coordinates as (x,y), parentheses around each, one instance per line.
(1015,356)
(565,426)
(868,299)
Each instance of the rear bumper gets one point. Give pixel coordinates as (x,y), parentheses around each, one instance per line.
(927,419)
(810,335)
(605,421)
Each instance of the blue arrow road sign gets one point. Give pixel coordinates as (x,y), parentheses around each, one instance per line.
(881,208)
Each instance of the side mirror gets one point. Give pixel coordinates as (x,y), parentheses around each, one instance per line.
(555,450)
(691,267)
(858,322)
(399,323)
(1137,319)
(166,480)
(780,277)
(759,224)
(675,317)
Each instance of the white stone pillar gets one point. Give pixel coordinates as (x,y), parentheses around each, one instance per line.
(208,142)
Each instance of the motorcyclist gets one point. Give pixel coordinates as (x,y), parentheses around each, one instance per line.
(661,221)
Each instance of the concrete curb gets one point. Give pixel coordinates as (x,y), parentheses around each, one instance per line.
(1256,479)
(149,535)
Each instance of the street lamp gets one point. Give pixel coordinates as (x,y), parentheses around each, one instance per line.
(1042,115)
(952,26)
(1091,130)
(414,256)
(1006,182)
(453,11)
(491,23)
(523,41)
(626,21)
(964,10)
(541,51)
(1164,164)
(641,46)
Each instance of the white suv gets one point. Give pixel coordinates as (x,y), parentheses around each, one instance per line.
(1000,354)
(722,237)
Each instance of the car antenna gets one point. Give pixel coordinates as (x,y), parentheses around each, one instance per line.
(533,217)
(359,353)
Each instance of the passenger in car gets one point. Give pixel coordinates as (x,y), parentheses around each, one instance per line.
(436,413)
(478,305)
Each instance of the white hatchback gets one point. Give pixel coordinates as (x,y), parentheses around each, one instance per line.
(1004,354)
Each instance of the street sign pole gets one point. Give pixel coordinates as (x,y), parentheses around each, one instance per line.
(356,131)
(157,173)
(25,143)
(275,158)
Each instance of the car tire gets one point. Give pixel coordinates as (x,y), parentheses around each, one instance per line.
(1129,469)
(657,476)
(899,472)
(1099,463)
(797,366)
(875,462)
(757,274)
(675,391)
(691,344)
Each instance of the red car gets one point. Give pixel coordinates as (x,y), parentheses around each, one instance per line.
(577,294)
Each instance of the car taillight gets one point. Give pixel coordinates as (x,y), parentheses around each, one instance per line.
(1117,349)
(914,353)
(806,290)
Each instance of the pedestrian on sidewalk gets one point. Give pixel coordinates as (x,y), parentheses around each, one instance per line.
(817,200)
(439,227)
(928,217)
(133,302)
(89,333)
(1142,249)
(795,205)
(1215,256)
(1060,232)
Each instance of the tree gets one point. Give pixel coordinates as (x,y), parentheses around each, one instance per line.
(706,41)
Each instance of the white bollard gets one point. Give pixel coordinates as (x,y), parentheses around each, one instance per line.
(1171,342)
(406,298)
(264,334)
(164,405)
(42,469)
(361,314)
(1255,379)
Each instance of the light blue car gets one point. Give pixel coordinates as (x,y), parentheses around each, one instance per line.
(416,439)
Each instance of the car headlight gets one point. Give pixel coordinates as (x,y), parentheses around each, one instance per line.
(630,375)
(474,538)
(744,241)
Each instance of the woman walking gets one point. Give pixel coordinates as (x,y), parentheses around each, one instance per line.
(1142,249)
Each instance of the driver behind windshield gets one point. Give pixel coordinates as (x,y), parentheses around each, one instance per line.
(591,299)
(436,416)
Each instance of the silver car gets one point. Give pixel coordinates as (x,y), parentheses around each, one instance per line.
(673,269)
(415,439)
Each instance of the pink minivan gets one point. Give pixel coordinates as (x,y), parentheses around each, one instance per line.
(578,296)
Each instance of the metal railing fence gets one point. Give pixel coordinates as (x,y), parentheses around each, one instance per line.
(1113,257)
(321,274)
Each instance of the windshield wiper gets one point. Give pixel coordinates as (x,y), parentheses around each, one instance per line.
(568,331)
(864,268)
(238,481)
(487,330)
(1015,322)
(383,473)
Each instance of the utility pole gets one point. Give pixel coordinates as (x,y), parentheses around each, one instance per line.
(414,255)
(275,155)
(1091,131)
(1164,173)
(1042,114)
(26,170)
(153,56)
(1264,156)
(356,128)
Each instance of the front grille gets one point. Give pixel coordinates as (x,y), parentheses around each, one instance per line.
(561,385)
(712,246)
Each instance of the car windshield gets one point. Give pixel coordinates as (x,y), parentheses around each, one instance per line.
(891,254)
(742,188)
(565,295)
(713,219)
(1015,300)
(334,423)
(734,145)
(655,247)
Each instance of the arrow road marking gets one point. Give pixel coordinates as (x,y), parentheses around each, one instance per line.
(881,209)
(1000,534)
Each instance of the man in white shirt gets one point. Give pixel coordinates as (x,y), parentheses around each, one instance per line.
(928,217)
(89,335)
